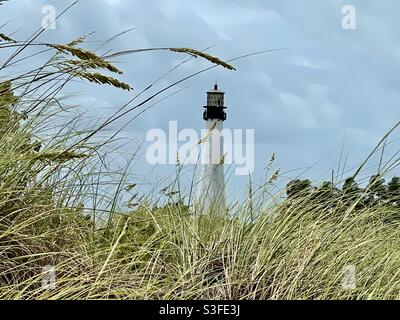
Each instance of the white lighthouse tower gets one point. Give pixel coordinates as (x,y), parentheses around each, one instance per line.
(211,197)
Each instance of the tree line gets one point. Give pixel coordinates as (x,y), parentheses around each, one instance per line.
(376,192)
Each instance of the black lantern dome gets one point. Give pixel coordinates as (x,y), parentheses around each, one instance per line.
(215,105)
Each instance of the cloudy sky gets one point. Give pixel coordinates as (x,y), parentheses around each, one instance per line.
(328,87)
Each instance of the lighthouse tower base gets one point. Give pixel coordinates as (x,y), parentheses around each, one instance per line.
(211,196)
(211,193)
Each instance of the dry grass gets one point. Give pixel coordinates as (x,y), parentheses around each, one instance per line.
(50,191)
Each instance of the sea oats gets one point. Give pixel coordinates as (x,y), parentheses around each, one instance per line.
(196,53)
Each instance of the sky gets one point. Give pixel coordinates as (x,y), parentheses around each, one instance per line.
(330,91)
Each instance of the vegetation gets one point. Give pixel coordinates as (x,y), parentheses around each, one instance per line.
(52,213)
(376,193)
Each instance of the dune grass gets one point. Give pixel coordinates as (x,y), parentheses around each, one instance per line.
(167,254)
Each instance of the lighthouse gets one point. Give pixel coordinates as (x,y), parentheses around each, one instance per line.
(211,196)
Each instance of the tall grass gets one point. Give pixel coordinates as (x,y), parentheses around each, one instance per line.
(167,254)
(55,211)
